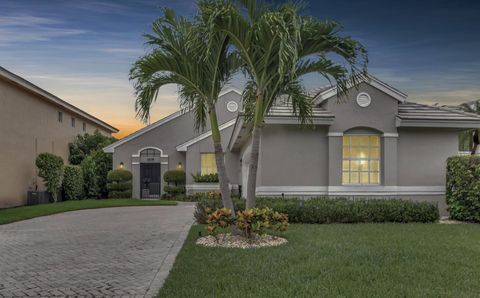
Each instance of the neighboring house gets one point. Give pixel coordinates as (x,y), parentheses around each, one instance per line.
(373,143)
(33,121)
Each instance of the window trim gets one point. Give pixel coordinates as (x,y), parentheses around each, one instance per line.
(60,116)
(360,159)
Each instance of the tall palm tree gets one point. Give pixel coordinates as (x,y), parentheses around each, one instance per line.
(278,46)
(181,56)
(471,136)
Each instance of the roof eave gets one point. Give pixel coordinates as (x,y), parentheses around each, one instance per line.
(296,121)
(437,123)
(184,146)
(21,82)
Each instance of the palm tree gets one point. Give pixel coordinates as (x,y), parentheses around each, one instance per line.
(181,56)
(471,136)
(277,47)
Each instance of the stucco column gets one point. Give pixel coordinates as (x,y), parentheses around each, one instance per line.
(390,159)
(163,168)
(335,140)
(135,166)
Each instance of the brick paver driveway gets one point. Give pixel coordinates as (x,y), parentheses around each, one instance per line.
(111,252)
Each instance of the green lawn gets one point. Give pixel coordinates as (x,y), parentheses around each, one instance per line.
(26,212)
(337,260)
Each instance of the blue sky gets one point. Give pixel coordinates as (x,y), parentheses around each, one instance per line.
(82,50)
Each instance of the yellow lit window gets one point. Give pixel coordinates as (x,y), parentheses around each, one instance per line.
(361,159)
(208,163)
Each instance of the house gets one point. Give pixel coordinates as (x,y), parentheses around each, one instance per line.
(372,143)
(33,121)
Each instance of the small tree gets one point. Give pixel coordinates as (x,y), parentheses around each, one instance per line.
(177,178)
(103,164)
(73,182)
(89,177)
(85,144)
(50,169)
(119,184)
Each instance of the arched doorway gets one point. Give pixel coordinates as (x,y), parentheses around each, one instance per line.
(150,173)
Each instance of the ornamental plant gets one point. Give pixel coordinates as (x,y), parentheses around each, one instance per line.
(50,169)
(119,184)
(250,222)
(72,182)
(221,218)
(255,221)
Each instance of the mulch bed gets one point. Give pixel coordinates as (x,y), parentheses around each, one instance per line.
(235,241)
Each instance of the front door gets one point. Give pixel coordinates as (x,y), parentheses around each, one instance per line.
(150,180)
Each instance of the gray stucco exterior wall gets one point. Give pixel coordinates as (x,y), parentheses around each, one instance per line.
(291,156)
(167,137)
(423,153)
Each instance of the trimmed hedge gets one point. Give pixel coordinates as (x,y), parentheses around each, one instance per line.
(207,178)
(119,184)
(463,188)
(177,177)
(174,190)
(73,182)
(337,210)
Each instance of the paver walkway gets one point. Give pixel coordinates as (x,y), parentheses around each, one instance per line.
(110,252)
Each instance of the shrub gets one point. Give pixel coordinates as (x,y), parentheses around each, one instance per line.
(250,222)
(256,220)
(119,183)
(207,178)
(173,190)
(221,218)
(90,180)
(337,210)
(50,169)
(177,178)
(73,182)
(463,188)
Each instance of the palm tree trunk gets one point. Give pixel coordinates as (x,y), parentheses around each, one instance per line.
(220,160)
(252,170)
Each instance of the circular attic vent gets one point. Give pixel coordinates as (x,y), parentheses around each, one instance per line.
(363,99)
(232,106)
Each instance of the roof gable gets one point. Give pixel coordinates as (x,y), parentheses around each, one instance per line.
(330,92)
(138,133)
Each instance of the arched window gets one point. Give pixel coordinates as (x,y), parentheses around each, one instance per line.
(361,159)
(150,155)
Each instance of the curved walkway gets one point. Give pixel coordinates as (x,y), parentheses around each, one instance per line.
(110,252)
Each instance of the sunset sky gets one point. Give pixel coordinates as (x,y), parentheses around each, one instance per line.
(82,51)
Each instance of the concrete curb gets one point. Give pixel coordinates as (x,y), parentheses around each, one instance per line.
(168,262)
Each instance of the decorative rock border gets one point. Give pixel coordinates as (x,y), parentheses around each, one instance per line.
(235,241)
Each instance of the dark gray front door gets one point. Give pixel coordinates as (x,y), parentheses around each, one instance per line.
(150,179)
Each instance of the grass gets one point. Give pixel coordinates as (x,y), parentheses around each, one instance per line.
(27,212)
(337,260)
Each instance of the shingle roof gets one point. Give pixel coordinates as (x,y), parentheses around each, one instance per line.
(415,111)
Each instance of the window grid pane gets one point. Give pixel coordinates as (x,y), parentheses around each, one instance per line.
(208,163)
(361,159)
